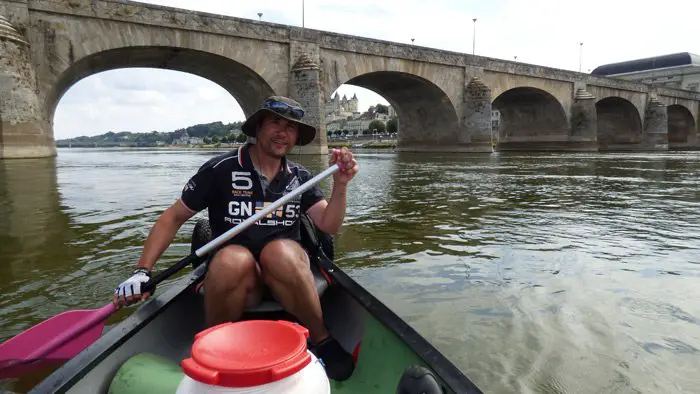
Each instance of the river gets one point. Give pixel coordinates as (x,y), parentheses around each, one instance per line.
(548,273)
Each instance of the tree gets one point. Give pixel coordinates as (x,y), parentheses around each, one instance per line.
(242,138)
(392,126)
(382,109)
(377,125)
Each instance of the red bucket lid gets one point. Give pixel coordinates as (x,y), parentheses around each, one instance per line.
(247,353)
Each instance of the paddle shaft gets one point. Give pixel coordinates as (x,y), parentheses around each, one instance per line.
(218,241)
(104,312)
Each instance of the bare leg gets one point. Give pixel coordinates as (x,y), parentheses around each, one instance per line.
(231,284)
(286,270)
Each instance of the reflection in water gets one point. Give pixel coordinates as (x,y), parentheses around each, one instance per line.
(553,273)
(33,236)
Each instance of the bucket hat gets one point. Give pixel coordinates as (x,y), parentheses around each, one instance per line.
(283,107)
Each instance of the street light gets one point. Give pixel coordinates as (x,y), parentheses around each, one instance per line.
(412,39)
(260,15)
(474,37)
(580,54)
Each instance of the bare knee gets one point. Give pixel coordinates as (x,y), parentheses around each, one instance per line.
(232,265)
(284,259)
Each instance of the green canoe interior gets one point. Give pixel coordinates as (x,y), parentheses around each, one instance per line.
(382,360)
(147,358)
(142,354)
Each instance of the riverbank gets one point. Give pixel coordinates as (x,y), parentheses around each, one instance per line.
(388,144)
(384,144)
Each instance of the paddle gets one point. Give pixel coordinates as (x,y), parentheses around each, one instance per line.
(63,336)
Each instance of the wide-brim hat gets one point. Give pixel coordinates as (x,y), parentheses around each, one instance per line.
(283,107)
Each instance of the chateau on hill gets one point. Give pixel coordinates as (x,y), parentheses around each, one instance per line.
(341,108)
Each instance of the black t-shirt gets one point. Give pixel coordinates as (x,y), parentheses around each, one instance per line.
(231,189)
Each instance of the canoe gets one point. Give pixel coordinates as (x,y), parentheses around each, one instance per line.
(143,352)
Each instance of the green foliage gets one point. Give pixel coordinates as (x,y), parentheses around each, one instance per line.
(382,109)
(210,132)
(377,125)
(392,126)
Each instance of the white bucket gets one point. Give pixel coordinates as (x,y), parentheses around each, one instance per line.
(311,379)
(256,356)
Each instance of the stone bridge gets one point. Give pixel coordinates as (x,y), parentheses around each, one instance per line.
(443,100)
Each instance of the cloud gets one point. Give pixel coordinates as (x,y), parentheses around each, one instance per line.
(165,101)
(543,32)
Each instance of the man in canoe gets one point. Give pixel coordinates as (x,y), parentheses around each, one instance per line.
(233,187)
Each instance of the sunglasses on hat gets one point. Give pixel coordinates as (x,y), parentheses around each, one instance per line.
(284,108)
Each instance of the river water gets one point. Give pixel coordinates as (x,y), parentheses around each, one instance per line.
(547,273)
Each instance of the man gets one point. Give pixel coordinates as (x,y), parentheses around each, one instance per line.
(233,186)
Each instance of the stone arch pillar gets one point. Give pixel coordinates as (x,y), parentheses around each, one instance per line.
(655,132)
(584,121)
(305,87)
(24,129)
(476,118)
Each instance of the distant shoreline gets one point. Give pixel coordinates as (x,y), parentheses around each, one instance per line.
(333,144)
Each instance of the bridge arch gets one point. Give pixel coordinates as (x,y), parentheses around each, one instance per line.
(426,115)
(246,86)
(681,126)
(530,115)
(425,96)
(619,123)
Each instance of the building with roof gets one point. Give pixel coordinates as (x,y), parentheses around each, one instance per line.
(677,70)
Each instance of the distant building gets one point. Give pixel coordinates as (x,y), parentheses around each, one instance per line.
(677,70)
(359,124)
(187,140)
(335,125)
(340,108)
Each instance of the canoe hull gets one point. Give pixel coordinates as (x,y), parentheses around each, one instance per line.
(162,330)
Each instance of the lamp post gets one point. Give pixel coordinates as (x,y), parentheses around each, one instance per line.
(260,15)
(302,14)
(474,37)
(580,55)
(412,39)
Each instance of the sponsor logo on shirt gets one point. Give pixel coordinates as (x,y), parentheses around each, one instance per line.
(189,186)
(241,184)
(285,215)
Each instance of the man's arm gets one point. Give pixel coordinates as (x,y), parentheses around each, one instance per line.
(328,216)
(163,232)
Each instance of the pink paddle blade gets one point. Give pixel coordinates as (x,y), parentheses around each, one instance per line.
(52,341)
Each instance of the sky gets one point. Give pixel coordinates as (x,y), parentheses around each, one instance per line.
(541,32)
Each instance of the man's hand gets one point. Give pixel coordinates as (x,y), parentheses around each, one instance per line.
(129,291)
(348,166)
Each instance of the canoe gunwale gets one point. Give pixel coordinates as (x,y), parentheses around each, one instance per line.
(62,379)
(434,359)
(75,369)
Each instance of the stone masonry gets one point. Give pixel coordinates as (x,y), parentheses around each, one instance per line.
(443,99)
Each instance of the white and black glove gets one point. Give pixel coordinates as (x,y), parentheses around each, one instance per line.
(129,291)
